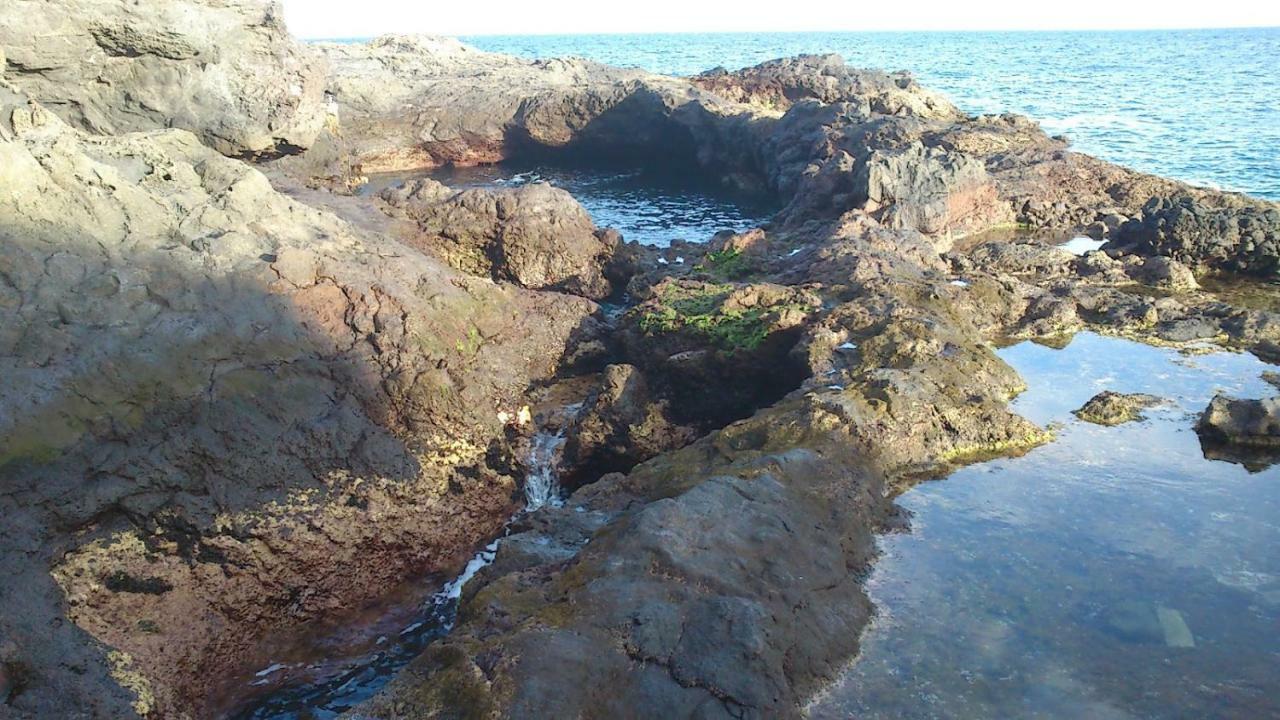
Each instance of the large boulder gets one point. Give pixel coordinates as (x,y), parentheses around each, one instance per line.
(536,236)
(620,425)
(1242,422)
(227,71)
(930,190)
(224,413)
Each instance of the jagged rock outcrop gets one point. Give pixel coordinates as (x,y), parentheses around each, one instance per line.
(1244,239)
(779,84)
(536,235)
(677,575)
(620,425)
(227,71)
(224,412)
(418,101)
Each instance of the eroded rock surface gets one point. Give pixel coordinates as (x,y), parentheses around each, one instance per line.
(535,236)
(227,71)
(224,412)
(233,412)
(1236,239)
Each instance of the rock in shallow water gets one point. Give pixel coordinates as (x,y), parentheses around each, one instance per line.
(1112,408)
(1242,422)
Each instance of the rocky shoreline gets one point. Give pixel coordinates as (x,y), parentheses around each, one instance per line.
(239,399)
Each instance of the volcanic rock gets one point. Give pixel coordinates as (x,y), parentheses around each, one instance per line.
(227,71)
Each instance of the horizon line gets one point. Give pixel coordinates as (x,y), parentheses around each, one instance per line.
(587,33)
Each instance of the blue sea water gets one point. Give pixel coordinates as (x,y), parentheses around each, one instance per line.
(1198,105)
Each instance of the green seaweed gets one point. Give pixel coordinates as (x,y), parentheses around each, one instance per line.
(702,311)
(729,264)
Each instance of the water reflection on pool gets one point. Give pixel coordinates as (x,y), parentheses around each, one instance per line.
(647,208)
(1114,573)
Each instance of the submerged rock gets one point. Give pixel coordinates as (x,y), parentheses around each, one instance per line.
(227,71)
(1113,408)
(1242,422)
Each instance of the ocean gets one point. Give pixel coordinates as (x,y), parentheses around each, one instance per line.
(1197,105)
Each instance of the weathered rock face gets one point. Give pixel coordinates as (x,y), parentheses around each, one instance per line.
(1235,239)
(227,71)
(536,236)
(620,426)
(415,102)
(224,412)
(778,84)
(929,190)
(1113,408)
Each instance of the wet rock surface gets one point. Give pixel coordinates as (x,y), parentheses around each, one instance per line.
(1112,408)
(232,412)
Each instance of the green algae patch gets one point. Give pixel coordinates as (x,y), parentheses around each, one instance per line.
(711,313)
(728,264)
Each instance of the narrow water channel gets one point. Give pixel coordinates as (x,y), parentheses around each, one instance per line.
(1114,573)
(335,667)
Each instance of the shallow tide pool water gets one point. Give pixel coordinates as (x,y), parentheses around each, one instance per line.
(1113,573)
(648,208)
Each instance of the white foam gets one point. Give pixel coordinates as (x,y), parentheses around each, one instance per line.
(1081,245)
(273,668)
(542,484)
(453,590)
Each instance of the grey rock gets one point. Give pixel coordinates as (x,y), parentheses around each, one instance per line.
(1243,237)
(227,71)
(1242,422)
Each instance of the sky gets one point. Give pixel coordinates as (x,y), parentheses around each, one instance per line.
(366,18)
